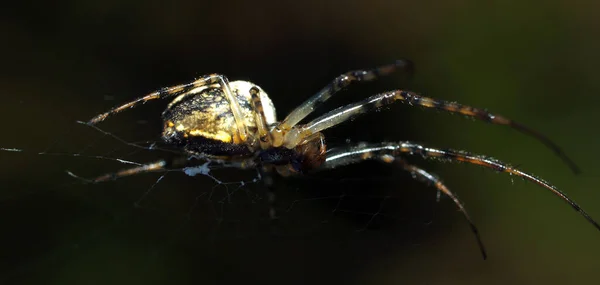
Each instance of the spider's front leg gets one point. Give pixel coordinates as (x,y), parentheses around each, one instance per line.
(346,156)
(345,113)
(337,157)
(336,85)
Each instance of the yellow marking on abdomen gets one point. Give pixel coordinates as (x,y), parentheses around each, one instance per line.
(220,135)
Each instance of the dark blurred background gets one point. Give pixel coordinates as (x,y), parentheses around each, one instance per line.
(533,61)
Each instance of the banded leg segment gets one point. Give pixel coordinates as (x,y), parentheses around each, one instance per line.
(336,85)
(409,148)
(266,174)
(342,114)
(150,167)
(264,136)
(185,90)
(424,176)
(179,164)
(161,94)
(354,155)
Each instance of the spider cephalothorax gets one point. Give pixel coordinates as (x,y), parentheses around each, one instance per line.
(234,123)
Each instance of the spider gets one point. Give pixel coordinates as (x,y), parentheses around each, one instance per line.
(234,124)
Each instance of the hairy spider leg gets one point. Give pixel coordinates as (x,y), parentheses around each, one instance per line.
(344,113)
(336,85)
(183,91)
(236,109)
(177,164)
(409,148)
(264,136)
(150,167)
(266,173)
(161,94)
(344,156)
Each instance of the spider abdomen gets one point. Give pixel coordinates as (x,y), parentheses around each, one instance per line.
(203,121)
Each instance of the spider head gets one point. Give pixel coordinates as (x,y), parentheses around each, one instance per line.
(308,155)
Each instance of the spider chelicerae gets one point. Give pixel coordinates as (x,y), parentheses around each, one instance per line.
(234,124)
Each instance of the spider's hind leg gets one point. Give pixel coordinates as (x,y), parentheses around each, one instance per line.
(164,93)
(264,136)
(181,164)
(156,166)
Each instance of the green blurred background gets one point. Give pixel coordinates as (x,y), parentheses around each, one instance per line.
(533,61)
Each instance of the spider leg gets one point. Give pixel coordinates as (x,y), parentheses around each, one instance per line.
(340,157)
(161,94)
(424,176)
(181,164)
(150,167)
(337,158)
(266,173)
(342,114)
(264,136)
(336,85)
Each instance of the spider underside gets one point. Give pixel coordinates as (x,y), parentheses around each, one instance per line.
(234,124)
